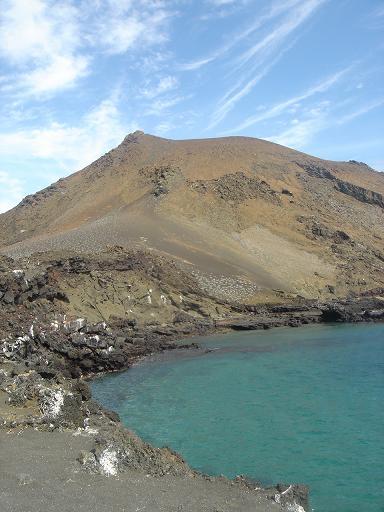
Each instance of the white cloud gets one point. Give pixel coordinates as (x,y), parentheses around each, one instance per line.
(160,105)
(299,133)
(41,41)
(36,30)
(59,73)
(120,25)
(11,191)
(165,84)
(118,35)
(71,147)
(50,45)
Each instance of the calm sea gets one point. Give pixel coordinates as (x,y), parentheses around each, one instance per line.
(286,405)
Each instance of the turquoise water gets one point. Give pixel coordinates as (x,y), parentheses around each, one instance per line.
(289,405)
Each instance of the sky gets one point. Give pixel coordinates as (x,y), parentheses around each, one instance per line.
(76,76)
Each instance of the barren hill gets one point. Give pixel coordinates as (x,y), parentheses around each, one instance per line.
(249,219)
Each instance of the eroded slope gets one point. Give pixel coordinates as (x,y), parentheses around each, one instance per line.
(230,210)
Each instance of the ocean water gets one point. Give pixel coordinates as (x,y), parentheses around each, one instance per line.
(286,405)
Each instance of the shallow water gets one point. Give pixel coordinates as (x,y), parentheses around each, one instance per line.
(288,405)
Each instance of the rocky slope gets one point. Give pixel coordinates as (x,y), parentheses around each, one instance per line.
(249,220)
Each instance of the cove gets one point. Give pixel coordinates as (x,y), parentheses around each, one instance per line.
(287,405)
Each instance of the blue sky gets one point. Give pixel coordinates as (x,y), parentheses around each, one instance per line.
(77,75)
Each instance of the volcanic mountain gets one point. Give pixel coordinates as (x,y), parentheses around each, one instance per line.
(249,219)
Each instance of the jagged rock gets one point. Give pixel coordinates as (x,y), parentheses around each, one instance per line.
(162,178)
(361,194)
(236,187)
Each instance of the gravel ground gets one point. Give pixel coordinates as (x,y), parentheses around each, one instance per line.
(39,473)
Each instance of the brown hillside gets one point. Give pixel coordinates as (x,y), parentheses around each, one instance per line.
(249,219)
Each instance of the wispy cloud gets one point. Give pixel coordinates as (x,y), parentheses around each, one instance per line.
(274,11)
(222,8)
(279,34)
(267,52)
(299,133)
(163,85)
(317,119)
(280,108)
(378,12)
(161,105)
(361,111)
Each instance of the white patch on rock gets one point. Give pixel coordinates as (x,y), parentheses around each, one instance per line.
(11,347)
(18,272)
(74,325)
(294,507)
(108,462)
(163,299)
(55,325)
(86,431)
(51,402)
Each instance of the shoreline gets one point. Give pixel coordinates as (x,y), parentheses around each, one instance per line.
(173,399)
(47,358)
(112,438)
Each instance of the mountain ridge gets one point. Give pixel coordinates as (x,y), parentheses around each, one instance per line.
(230,207)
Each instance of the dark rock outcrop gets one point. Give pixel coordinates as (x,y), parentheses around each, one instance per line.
(237,188)
(361,194)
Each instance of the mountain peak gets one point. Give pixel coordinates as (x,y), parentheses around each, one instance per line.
(140,136)
(232,207)
(132,137)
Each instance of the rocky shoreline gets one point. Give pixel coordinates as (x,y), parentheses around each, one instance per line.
(47,354)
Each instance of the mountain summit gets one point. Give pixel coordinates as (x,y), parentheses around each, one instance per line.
(243,215)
